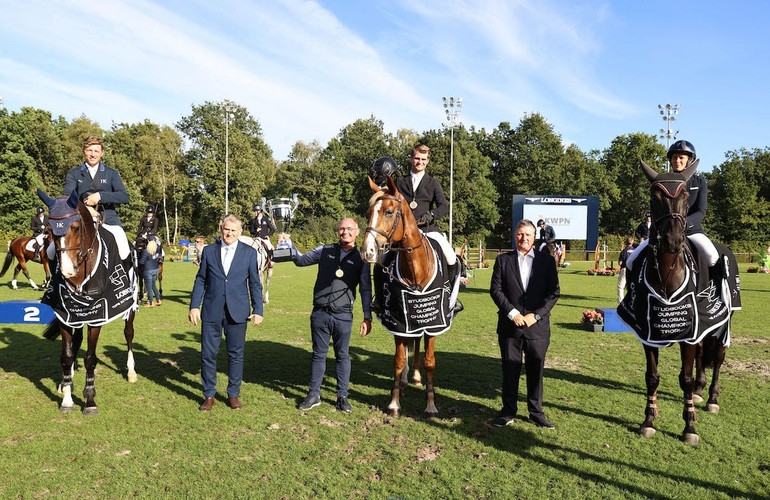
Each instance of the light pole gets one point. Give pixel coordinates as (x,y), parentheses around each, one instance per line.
(668,111)
(228,111)
(452,108)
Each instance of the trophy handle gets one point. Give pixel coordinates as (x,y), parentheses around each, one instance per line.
(264,203)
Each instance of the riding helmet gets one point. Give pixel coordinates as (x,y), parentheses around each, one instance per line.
(256,208)
(382,168)
(541,222)
(685,147)
(40,209)
(150,209)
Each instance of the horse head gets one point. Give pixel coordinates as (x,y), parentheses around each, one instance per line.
(668,207)
(389,216)
(73,232)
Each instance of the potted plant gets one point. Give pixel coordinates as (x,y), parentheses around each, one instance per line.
(593,321)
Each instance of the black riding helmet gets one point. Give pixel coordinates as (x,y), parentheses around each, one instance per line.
(382,168)
(685,147)
(150,209)
(40,209)
(541,222)
(256,208)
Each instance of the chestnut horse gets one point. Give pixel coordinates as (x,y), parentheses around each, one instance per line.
(17,247)
(392,227)
(669,264)
(79,246)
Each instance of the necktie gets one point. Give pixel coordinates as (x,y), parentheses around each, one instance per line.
(228,259)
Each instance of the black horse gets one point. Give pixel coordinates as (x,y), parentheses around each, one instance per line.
(672,298)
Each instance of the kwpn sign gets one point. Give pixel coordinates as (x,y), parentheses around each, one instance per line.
(571,217)
(25,311)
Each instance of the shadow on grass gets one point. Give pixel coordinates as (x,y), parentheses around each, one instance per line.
(24,356)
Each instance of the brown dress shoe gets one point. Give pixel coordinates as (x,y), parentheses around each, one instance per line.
(207,404)
(234,403)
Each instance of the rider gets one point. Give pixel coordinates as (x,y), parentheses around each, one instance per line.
(148,227)
(547,234)
(680,155)
(262,226)
(38,224)
(425,197)
(643,229)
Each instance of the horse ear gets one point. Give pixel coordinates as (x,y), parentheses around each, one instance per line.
(373,185)
(648,171)
(690,170)
(73,200)
(392,185)
(45,198)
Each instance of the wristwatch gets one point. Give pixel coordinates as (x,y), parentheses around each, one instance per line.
(538,317)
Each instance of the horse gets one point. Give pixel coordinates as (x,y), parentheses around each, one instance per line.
(17,248)
(393,228)
(264,264)
(85,284)
(659,298)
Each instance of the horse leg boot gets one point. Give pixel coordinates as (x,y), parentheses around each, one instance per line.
(89,391)
(687,384)
(430,365)
(67,366)
(399,365)
(652,379)
(128,333)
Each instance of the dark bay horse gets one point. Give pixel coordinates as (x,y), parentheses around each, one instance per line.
(664,276)
(392,228)
(78,289)
(17,248)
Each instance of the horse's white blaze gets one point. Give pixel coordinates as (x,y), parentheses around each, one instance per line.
(65,263)
(369,247)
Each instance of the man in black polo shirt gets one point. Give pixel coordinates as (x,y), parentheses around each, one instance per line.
(340,271)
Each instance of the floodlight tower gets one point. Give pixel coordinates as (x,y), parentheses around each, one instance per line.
(669,113)
(452,108)
(228,108)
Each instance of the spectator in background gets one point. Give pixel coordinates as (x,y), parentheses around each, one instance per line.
(622,265)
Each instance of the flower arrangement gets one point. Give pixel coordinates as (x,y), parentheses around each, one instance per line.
(592,318)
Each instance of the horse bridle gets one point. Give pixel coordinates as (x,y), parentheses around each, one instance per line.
(399,218)
(83,252)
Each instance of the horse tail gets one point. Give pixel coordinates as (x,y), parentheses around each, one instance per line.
(8,261)
(52,331)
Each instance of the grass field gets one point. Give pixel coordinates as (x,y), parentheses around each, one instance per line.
(149,439)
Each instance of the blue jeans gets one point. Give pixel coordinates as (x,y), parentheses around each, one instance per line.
(150,277)
(324,327)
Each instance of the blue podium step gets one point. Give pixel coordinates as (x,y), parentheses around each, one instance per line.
(612,322)
(25,311)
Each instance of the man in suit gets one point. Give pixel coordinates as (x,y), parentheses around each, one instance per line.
(525,287)
(226,279)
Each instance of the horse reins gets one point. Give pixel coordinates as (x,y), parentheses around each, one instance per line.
(83,252)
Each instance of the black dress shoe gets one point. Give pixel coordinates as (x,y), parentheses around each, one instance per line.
(502,421)
(235,404)
(541,422)
(207,404)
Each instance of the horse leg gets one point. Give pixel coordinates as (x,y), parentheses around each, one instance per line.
(416,376)
(717,352)
(89,391)
(128,332)
(16,271)
(700,372)
(47,269)
(687,384)
(399,363)
(68,353)
(25,271)
(652,380)
(266,275)
(430,365)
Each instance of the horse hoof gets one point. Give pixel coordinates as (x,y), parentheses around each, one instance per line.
(647,431)
(133,378)
(697,398)
(68,408)
(90,410)
(430,415)
(691,438)
(393,412)
(712,408)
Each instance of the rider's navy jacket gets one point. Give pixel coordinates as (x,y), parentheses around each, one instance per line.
(107,182)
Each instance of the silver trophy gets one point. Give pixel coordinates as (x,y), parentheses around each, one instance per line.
(282,212)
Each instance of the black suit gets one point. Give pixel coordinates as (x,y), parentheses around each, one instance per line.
(429,197)
(540,296)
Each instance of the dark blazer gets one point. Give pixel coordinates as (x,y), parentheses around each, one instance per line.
(37,226)
(229,293)
(107,183)
(429,197)
(508,293)
(696,204)
(147,228)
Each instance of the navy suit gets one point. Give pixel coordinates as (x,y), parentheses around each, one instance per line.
(228,301)
(429,197)
(107,183)
(539,297)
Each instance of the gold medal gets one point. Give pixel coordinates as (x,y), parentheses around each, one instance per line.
(339,273)
(413,205)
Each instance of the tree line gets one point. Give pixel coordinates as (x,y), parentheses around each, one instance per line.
(181,170)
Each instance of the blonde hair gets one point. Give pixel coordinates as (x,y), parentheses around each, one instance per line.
(152,247)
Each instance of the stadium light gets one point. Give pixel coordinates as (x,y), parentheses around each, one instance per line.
(452,108)
(228,107)
(668,111)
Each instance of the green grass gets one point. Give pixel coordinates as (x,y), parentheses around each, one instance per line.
(150,440)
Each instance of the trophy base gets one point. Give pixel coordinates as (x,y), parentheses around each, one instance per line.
(283,254)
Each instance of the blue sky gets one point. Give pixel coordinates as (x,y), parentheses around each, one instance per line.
(594,69)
